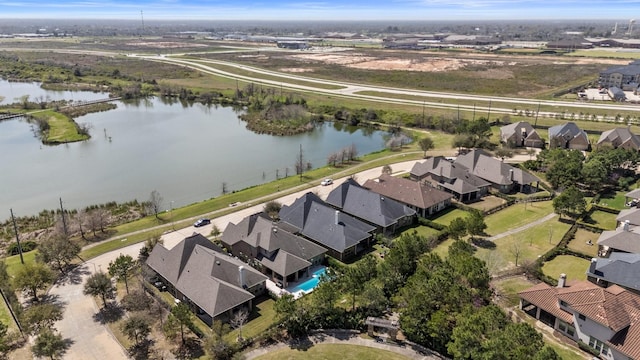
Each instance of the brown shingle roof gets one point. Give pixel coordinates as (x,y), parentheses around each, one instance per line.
(406,191)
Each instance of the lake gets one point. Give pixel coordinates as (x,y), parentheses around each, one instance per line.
(185,152)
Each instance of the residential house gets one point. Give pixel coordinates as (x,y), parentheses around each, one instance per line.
(386,214)
(619,76)
(213,284)
(629,216)
(281,255)
(607,320)
(341,234)
(568,136)
(520,134)
(450,177)
(621,269)
(625,238)
(425,199)
(620,138)
(503,177)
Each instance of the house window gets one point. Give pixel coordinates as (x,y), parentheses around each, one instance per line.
(582,317)
(598,345)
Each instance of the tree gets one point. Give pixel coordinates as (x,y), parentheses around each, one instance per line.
(182,314)
(570,202)
(49,344)
(3,335)
(475,223)
(39,317)
(58,251)
(474,327)
(137,300)
(216,346)
(155,203)
(594,173)
(387,170)
(215,231)
(121,268)
(426,144)
(137,327)
(238,321)
(32,277)
(457,228)
(272,208)
(503,153)
(149,244)
(300,163)
(99,284)
(516,251)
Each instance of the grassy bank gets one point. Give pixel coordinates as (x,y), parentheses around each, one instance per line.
(62,129)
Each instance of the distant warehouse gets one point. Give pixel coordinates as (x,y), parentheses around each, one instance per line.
(296,45)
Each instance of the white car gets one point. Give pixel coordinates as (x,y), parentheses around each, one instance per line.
(326,182)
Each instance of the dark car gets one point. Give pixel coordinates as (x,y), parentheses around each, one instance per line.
(202,222)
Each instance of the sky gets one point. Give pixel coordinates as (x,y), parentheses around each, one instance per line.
(296,10)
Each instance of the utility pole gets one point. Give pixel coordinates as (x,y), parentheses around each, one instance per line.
(489,113)
(15,229)
(64,222)
(537,112)
(474,112)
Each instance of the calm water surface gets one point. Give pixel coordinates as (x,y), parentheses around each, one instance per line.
(184,152)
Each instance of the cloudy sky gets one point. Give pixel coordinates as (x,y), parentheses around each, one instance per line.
(323,10)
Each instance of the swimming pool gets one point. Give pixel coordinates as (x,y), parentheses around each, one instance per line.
(310,284)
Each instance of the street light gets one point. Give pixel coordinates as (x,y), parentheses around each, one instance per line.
(171,216)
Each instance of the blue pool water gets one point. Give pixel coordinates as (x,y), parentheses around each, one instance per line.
(311,283)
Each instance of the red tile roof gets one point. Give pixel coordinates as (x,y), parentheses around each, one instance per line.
(613,307)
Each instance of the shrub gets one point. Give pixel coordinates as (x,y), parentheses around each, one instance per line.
(26,247)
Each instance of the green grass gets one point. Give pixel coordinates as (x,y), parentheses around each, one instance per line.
(447,217)
(443,248)
(261,319)
(601,219)
(5,316)
(565,353)
(516,216)
(509,289)
(579,242)
(13,262)
(62,128)
(574,267)
(528,244)
(605,54)
(422,231)
(615,201)
(332,351)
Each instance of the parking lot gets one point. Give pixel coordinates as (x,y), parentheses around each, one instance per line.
(595,94)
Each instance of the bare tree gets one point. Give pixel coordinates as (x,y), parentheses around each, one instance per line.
(516,251)
(300,163)
(225,190)
(80,220)
(155,203)
(352,152)
(332,159)
(238,321)
(102,218)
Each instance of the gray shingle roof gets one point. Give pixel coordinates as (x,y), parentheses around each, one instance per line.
(460,179)
(632,215)
(567,131)
(494,170)
(619,268)
(407,192)
(368,205)
(629,70)
(311,217)
(209,279)
(621,240)
(619,136)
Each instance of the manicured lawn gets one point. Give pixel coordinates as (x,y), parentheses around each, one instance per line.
(422,231)
(615,201)
(527,244)
(574,267)
(332,351)
(261,319)
(447,217)
(443,248)
(516,216)
(509,288)
(580,242)
(601,219)
(13,262)
(487,202)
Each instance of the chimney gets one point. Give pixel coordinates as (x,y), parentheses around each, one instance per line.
(592,266)
(562,281)
(241,276)
(337,217)
(511,174)
(625,225)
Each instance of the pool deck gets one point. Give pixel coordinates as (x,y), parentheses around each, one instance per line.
(272,287)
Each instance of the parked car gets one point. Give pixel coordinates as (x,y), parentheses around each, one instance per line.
(202,222)
(632,203)
(326,182)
